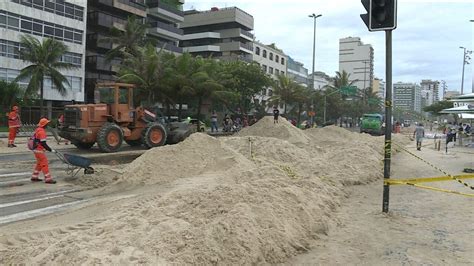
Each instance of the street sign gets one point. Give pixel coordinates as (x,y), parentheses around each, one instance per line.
(349,90)
(311,113)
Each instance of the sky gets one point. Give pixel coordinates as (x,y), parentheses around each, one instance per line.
(425,44)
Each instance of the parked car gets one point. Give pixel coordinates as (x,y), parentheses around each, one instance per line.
(192,124)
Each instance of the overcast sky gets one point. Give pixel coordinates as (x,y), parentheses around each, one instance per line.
(425,44)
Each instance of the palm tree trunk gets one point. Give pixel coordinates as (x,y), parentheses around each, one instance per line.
(284,110)
(299,113)
(41,98)
(180,109)
(199,114)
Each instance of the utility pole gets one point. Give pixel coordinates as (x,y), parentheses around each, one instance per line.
(314,16)
(465,60)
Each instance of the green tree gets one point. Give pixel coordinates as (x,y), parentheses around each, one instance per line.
(437,107)
(45,62)
(243,82)
(11,95)
(204,83)
(127,41)
(145,69)
(284,90)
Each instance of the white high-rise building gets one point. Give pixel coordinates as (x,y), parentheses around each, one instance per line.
(357,59)
(431,86)
(407,96)
(61,20)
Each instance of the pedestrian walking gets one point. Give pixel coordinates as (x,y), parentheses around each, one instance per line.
(14,124)
(419,134)
(39,148)
(276,113)
(214,121)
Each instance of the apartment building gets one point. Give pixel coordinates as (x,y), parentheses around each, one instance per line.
(273,62)
(61,20)
(321,80)
(297,71)
(407,96)
(221,33)
(102,16)
(378,87)
(357,59)
(431,87)
(164,17)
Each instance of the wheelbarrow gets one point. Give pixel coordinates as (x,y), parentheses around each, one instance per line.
(75,163)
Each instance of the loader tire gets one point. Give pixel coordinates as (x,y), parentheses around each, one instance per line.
(109,137)
(154,135)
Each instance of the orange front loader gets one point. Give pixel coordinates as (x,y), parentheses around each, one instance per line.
(111,120)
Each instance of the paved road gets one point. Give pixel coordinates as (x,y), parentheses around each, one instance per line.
(22,199)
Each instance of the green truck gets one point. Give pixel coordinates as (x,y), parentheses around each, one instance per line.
(372,124)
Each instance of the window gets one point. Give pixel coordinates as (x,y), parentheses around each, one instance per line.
(264,53)
(277,58)
(3,20)
(68,36)
(264,68)
(257,50)
(59,7)
(106,95)
(13,23)
(48,31)
(282,61)
(271,56)
(277,72)
(77,37)
(37,29)
(123,96)
(271,70)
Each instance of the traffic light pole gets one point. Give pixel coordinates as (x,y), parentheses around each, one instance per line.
(388,118)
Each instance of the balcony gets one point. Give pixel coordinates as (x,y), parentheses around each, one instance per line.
(165,11)
(97,62)
(169,47)
(104,20)
(96,41)
(165,30)
(247,34)
(248,46)
(136,7)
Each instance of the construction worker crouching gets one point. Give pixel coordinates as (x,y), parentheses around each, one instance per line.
(39,149)
(13,126)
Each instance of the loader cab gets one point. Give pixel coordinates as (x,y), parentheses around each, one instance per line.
(119,100)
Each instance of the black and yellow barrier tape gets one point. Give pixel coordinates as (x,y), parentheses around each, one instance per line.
(435,167)
(424,179)
(434,188)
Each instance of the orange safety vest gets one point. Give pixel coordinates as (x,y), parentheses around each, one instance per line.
(40,135)
(13,119)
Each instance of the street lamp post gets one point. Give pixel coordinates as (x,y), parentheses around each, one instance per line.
(465,61)
(314,16)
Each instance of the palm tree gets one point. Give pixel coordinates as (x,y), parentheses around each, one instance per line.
(145,69)
(203,81)
(128,40)
(283,92)
(45,62)
(342,79)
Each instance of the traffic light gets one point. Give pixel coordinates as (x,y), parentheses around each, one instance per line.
(381,14)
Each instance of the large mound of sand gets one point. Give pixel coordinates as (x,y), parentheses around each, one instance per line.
(259,197)
(284,130)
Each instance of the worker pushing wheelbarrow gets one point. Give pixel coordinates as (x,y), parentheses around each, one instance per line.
(75,163)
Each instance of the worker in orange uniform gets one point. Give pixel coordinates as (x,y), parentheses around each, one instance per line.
(39,149)
(13,126)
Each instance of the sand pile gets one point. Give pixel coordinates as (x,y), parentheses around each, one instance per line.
(259,197)
(282,130)
(198,154)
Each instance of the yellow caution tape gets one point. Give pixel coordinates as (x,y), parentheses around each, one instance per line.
(436,189)
(424,180)
(435,167)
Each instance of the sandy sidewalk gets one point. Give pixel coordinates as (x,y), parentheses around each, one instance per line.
(422,227)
